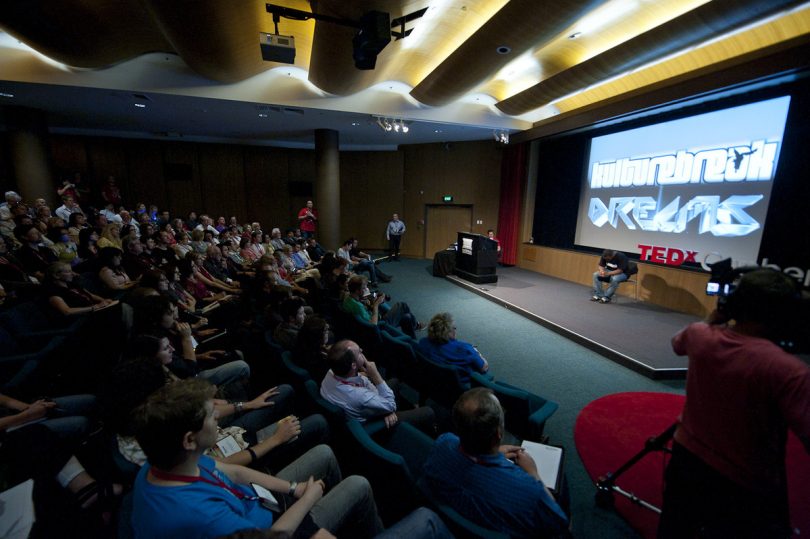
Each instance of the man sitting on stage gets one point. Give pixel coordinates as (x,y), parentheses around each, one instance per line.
(496,486)
(726,477)
(613,268)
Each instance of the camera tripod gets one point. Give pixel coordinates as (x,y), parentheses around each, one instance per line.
(606,485)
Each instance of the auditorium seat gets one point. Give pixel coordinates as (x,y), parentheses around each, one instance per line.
(525,413)
(459,526)
(392,461)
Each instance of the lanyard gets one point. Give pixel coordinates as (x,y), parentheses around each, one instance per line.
(346,382)
(216,481)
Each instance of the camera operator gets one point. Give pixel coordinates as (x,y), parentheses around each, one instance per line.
(726,477)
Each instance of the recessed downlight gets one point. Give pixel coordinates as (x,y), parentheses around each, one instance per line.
(503,49)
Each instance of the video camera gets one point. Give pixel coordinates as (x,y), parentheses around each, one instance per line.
(723,280)
(793,317)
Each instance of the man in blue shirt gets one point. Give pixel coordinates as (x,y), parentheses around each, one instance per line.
(496,486)
(181,492)
(393,233)
(441,346)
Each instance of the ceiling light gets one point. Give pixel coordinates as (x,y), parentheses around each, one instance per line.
(5,94)
(575,35)
(355,123)
(501,136)
(140,105)
(263,115)
(503,49)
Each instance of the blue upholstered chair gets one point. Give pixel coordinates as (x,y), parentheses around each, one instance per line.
(526,413)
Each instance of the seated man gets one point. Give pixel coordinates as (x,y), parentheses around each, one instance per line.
(398,315)
(496,486)
(613,268)
(354,384)
(360,261)
(181,492)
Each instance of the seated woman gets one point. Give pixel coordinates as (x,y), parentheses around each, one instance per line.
(312,346)
(198,243)
(63,246)
(292,315)
(204,276)
(263,427)
(111,273)
(442,347)
(67,298)
(88,244)
(182,245)
(195,286)
(359,302)
(156,315)
(110,236)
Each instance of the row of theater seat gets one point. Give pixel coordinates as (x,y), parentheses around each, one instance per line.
(392,459)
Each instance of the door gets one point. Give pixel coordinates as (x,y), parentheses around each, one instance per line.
(442,223)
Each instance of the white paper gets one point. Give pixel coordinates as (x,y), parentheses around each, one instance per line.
(547,458)
(228,446)
(17,511)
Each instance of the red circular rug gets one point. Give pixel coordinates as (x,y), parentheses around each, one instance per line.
(613,428)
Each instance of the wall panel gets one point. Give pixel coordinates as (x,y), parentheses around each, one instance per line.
(222,180)
(673,288)
(470,172)
(371,189)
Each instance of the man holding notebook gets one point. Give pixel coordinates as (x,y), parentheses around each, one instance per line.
(496,486)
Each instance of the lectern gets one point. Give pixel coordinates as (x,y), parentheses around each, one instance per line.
(476,258)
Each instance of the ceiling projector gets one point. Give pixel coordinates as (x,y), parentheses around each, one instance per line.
(277,48)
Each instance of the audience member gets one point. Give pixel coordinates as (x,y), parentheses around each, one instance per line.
(182,492)
(496,486)
(354,384)
(441,346)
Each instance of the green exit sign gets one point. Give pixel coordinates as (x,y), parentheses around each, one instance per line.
(447,198)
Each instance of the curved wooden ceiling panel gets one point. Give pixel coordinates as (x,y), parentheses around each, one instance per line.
(706,22)
(213,38)
(519,25)
(84,34)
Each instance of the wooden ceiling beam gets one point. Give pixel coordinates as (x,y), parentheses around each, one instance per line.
(84,34)
(519,25)
(703,23)
(784,57)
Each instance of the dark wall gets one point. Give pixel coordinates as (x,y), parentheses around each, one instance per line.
(270,185)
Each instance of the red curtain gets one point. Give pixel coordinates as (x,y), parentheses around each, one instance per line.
(513,174)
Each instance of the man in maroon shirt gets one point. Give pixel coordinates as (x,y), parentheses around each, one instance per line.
(727,476)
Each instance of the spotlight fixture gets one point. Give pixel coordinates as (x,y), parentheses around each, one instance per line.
(397,125)
(501,136)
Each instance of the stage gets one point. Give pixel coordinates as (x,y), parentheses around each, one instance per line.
(632,333)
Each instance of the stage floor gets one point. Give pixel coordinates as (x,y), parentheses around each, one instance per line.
(632,333)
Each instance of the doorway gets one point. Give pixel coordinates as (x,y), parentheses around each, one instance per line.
(442,223)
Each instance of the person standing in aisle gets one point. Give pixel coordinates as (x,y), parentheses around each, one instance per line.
(393,234)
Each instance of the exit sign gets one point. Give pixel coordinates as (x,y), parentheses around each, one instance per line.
(447,198)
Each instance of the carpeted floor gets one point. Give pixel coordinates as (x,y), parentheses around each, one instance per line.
(527,355)
(612,429)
